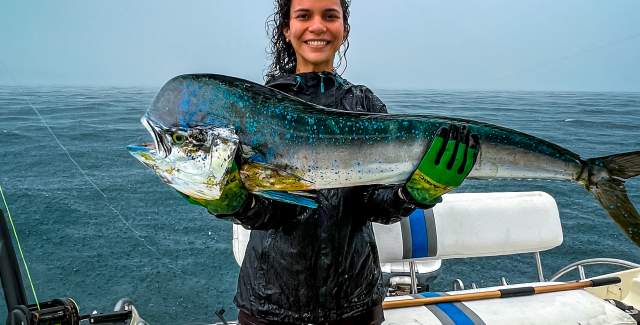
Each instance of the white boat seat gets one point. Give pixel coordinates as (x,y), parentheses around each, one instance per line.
(472,225)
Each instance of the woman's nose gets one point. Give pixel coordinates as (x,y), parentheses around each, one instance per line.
(317,26)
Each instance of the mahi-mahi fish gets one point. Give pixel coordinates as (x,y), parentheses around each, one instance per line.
(204,123)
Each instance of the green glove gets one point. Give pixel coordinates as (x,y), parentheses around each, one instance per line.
(446,164)
(232,198)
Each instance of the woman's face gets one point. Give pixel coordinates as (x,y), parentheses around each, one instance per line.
(316,31)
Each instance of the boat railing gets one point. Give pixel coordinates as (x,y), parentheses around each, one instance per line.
(580,266)
(457,284)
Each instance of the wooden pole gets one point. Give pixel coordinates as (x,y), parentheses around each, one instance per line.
(501,293)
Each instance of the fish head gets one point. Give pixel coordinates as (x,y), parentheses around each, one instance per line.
(194,160)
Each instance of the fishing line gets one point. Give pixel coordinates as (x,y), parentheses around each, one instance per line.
(15,234)
(24,261)
(137,234)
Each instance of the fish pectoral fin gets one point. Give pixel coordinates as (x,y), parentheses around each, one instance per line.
(289,197)
(258,176)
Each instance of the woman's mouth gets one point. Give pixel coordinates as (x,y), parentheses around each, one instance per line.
(316,43)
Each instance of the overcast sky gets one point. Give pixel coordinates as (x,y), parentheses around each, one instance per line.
(589,45)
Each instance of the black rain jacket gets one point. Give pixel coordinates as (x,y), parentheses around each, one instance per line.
(307,265)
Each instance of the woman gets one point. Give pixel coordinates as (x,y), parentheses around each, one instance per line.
(320,265)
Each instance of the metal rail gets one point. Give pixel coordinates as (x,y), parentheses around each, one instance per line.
(592,261)
(539,266)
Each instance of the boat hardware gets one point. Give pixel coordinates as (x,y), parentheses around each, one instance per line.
(220,314)
(539,266)
(592,261)
(457,285)
(414,278)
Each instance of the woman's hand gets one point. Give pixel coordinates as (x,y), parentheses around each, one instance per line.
(446,164)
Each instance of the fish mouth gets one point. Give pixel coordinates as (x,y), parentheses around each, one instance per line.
(146,153)
(141,148)
(150,153)
(163,148)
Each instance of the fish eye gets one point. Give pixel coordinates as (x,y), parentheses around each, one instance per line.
(178,137)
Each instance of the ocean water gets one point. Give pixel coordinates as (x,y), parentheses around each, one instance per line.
(96,225)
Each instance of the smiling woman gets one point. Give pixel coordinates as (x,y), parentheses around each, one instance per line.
(316,31)
(297,22)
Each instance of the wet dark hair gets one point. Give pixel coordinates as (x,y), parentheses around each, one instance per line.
(283,56)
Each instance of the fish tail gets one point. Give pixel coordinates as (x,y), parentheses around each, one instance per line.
(605,178)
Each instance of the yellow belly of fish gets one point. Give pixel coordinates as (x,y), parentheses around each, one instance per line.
(260,177)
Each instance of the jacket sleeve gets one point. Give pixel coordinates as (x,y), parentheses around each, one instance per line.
(263,214)
(387,205)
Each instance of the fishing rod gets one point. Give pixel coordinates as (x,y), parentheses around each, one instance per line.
(61,311)
(502,293)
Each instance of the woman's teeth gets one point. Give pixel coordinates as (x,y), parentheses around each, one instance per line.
(317,43)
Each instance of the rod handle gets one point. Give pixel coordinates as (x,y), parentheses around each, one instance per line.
(605,281)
